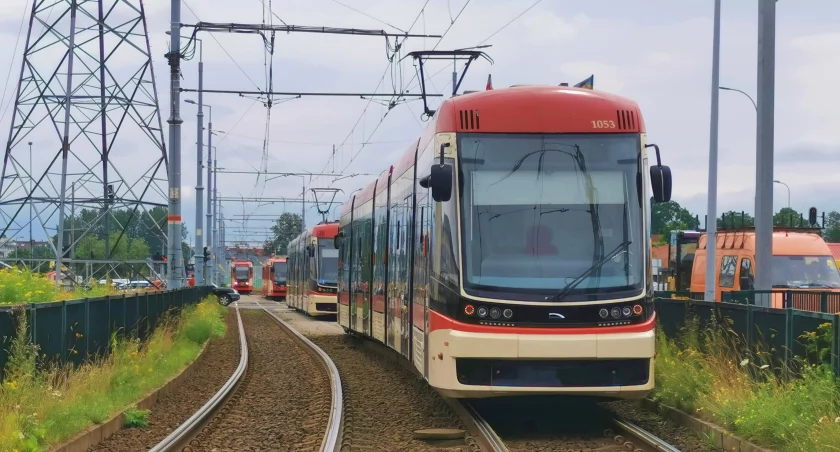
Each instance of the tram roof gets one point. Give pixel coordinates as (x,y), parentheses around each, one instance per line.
(520,109)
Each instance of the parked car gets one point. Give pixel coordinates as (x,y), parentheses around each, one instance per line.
(225,295)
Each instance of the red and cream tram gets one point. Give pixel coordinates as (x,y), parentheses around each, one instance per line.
(508,251)
(242,276)
(274,278)
(313,271)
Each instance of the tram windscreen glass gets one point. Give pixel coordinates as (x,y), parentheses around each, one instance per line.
(241,273)
(540,210)
(280,272)
(328,262)
(806,272)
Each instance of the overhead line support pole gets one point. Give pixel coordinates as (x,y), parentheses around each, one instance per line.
(200,269)
(175,274)
(711,226)
(764,144)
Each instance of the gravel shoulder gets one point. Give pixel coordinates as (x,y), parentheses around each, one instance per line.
(222,357)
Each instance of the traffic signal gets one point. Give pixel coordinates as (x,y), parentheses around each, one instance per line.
(812,216)
(206,253)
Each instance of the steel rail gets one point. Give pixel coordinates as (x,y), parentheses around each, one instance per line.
(646,437)
(489,436)
(335,423)
(190,427)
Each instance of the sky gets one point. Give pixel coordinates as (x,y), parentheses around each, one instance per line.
(656,52)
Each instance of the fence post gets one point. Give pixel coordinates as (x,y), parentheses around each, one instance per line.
(824,301)
(64,331)
(788,334)
(87,328)
(750,327)
(835,344)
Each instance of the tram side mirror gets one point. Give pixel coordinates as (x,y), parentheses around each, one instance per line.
(311,250)
(337,240)
(660,182)
(660,178)
(440,180)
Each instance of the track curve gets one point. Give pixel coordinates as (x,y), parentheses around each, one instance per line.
(197,430)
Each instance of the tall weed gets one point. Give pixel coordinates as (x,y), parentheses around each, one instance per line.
(708,372)
(39,408)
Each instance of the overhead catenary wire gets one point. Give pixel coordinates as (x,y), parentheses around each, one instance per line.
(451,24)
(381,79)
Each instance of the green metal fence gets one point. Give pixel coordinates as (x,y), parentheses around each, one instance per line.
(76,330)
(777,330)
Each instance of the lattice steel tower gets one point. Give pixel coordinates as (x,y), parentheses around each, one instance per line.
(87,100)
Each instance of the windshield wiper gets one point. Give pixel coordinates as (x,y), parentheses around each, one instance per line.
(586,274)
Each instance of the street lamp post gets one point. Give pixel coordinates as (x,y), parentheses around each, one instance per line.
(788,190)
(199,188)
(739,91)
(201,270)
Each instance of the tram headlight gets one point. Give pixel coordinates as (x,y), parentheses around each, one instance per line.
(508,313)
(626,311)
(495,313)
(637,310)
(604,313)
(482,311)
(469,309)
(615,312)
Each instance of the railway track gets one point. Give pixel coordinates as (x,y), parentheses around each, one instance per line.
(554,424)
(261,406)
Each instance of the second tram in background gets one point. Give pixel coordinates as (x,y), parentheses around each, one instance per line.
(274,281)
(242,276)
(508,251)
(313,271)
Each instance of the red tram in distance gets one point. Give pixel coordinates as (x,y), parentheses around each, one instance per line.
(242,276)
(274,278)
(313,271)
(508,251)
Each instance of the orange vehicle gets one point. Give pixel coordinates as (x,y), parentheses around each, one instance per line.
(802,261)
(242,276)
(274,278)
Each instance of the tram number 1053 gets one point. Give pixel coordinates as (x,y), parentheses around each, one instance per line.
(603,124)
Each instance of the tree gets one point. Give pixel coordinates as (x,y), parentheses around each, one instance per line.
(832,227)
(285,229)
(735,219)
(788,217)
(670,216)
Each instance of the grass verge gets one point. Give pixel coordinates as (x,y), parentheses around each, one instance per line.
(43,407)
(703,373)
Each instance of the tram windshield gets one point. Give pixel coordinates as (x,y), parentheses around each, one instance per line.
(541,210)
(241,273)
(328,262)
(279,272)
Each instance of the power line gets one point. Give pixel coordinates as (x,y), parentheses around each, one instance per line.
(223,47)
(511,21)
(451,24)
(381,79)
(369,16)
